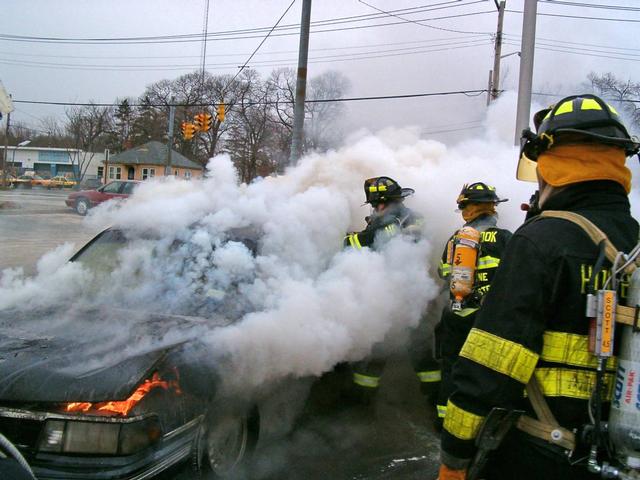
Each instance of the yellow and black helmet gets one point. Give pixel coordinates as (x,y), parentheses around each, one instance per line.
(576,119)
(478,192)
(384,189)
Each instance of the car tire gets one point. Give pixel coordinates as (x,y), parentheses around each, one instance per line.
(82,206)
(224,444)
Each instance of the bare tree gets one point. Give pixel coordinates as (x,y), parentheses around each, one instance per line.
(322,114)
(249,130)
(87,128)
(624,93)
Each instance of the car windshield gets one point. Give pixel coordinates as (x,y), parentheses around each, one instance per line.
(101,255)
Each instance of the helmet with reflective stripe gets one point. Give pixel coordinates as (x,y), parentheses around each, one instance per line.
(478,193)
(384,189)
(573,120)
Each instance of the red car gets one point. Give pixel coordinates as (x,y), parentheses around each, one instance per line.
(83,200)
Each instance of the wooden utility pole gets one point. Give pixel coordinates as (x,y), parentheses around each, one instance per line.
(172,116)
(527,51)
(297,138)
(495,83)
(6,149)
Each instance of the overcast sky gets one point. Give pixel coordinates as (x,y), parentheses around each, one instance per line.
(442,54)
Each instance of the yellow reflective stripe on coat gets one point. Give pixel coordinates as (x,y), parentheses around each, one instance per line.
(504,356)
(488,262)
(444,269)
(353,240)
(366,380)
(465,312)
(391,229)
(565,382)
(570,349)
(442,410)
(460,423)
(429,376)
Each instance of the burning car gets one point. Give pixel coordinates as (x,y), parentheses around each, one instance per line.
(80,403)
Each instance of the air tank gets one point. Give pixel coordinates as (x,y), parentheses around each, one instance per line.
(624,417)
(463,265)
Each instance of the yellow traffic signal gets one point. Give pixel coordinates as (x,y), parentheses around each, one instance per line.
(220,113)
(206,122)
(188,130)
(197,122)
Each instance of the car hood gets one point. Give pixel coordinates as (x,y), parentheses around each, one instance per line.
(69,357)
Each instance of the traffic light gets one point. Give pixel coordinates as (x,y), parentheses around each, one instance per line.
(220,113)
(197,122)
(188,130)
(206,122)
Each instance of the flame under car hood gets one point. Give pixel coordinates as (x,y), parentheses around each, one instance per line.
(53,356)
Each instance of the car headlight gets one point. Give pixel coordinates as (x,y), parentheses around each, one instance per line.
(102,438)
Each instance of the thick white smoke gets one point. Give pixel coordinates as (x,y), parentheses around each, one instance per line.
(268,256)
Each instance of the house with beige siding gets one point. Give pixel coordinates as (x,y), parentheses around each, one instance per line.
(147,161)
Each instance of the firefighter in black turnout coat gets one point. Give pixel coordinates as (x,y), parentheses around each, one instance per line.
(477,203)
(532,323)
(389,218)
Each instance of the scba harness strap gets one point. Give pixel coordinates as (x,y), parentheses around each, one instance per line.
(546,427)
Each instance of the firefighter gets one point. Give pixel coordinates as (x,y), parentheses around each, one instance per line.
(390,217)
(477,203)
(531,331)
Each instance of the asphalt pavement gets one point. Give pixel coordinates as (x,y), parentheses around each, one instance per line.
(391,439)
(34,221)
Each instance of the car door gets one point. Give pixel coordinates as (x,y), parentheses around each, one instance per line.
(109,191)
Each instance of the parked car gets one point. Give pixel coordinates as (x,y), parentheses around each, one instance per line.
(83,200)
(81,406)
(7,180)
(61,182)
(38,181)
(23,181)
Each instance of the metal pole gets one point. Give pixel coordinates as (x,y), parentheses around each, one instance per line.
(526,67)
(172,116)
(105,174)
(498,51)
(489,87)
(6,149)
(297,137)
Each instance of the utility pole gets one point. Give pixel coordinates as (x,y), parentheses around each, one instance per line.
(172,116)
(527,49)
(495,84)
(297,137)
(6,149)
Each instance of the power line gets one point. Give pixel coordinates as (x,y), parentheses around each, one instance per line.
(266,63)
(583,53)
(582,44)
(277,52)
(258,47)
(197,39)
(468,93)
(432,132)
(417,22)
(627,20)
(592,5)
